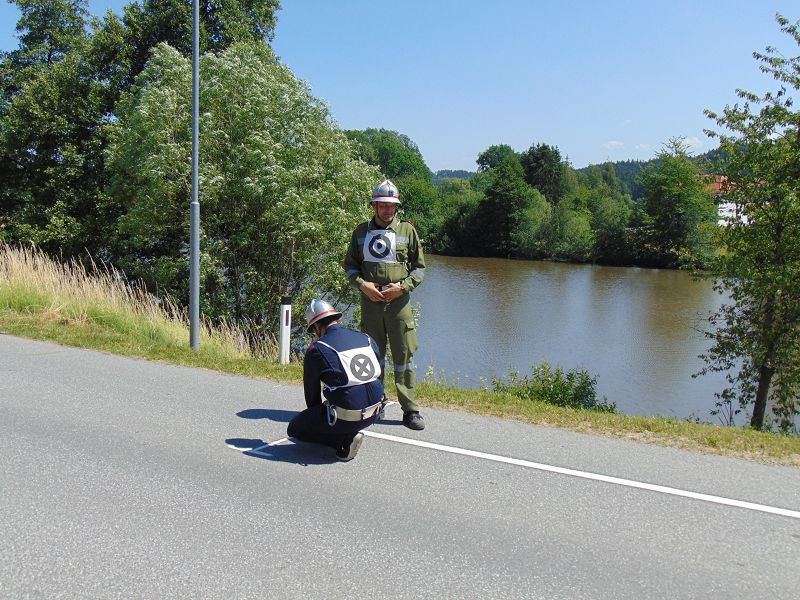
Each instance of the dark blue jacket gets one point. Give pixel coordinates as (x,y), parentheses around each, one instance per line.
(322,366)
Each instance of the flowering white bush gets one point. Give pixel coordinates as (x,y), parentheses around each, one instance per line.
(280,189)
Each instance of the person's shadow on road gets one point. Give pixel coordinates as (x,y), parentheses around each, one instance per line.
(298,453)
(289,451)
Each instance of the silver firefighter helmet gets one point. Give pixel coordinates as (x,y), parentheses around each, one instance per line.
(319,309)
(386,191)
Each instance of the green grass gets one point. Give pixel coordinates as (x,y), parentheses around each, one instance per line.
(729,441)
(40,299)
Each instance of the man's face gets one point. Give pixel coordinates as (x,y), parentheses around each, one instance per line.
(384,212)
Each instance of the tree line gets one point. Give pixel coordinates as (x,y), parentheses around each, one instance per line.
(534,205)
(94,161)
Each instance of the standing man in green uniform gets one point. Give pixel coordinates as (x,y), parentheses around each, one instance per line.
(385,262)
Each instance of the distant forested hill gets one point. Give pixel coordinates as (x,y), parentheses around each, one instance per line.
(448,174)
(629,171)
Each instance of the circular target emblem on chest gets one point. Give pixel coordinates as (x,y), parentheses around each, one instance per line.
(380,246)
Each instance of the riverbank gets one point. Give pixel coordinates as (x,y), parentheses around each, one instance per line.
(63,304)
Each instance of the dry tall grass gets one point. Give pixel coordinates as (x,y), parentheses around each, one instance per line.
(33,283)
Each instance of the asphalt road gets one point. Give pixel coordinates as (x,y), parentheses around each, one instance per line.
(124,478)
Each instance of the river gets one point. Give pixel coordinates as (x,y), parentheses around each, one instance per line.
(636,330)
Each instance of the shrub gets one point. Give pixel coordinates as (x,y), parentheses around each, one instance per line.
(571,389)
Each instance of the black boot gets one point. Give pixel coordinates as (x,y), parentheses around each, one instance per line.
(413,420)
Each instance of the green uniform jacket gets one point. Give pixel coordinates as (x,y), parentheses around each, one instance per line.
(409,268)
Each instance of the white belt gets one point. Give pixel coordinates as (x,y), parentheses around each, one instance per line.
(346,414)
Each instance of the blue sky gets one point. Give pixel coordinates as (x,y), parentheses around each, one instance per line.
(609,80)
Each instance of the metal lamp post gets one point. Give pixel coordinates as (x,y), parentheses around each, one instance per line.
(194,207)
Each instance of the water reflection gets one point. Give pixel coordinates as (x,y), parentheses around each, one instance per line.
(635,329)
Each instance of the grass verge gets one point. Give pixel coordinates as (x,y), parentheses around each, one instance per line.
(41,299)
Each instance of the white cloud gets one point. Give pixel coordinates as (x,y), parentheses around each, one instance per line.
(694,143)
(614,145)
(644,147)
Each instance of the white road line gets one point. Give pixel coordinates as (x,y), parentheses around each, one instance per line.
(261,447)
(586,475)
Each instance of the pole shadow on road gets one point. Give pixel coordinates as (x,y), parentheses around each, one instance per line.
(290,452)
(284,416)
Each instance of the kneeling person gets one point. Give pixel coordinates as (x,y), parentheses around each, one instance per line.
(346,362)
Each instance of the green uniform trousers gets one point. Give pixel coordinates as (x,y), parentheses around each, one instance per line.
(395,322)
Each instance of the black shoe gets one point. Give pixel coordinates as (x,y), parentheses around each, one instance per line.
(349,452)
(413,420)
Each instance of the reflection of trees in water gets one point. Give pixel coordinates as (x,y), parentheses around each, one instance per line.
(633,328)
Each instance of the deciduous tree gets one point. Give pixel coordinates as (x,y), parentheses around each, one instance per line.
(610,211)
(50,120)
(545,171)
(681,209)
(58,95)
(504,208)
(280,190)
(394,153)
(757,332)
(494,156)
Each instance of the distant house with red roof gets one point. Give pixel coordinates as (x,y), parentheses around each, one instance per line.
(716,186)
(725,210)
